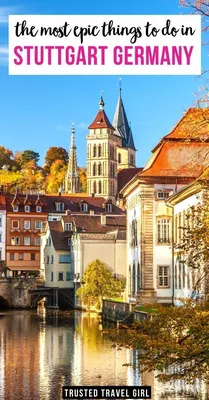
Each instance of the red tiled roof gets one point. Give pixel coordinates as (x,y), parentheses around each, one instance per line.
(184,151)
(125,175)
(92,224)
(179,159)
(59,237)
(85,224)
(101,121)
(71,203)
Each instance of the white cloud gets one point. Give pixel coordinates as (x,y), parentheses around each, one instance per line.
(4,13)
(3,55)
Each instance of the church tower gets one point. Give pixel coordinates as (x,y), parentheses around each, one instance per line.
(126,152)
(72,181)
(102,156)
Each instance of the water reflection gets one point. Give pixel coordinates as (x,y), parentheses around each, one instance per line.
(39,355)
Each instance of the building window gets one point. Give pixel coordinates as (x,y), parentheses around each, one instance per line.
(0,222)
(94,150)
(60,207)
(108,207)
(68,226)
(84,207)
(133,279)
(38,225)
(69,241)
(27,208)
(33,256)
(99,150)
(49,241)
(162,195)
(12,256)
(69,276)
(163,230)
(38,208)
(99,187)
(15,241)
(94,169)
(0,237)
(100,169)
(163,276)
(52,259)
(64,258)
(180,276)
(15,208)
(47,259)
(52,276)
(94,187)
(60,276)
(27,241)
(134,241)
(119,158)
(37,241)
(20,256)
(15,224)
(26,225)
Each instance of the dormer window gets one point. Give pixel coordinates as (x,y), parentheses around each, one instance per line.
(68,226)
(38,208)
(84,207)
(27,208)
(15,208)
(108,207)
(163,195)
(60,207)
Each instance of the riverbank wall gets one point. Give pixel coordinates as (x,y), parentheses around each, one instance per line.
(121,312)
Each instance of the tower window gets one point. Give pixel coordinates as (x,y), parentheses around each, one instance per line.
(100,169)
(99,150)
(94,150)
(100,187)
(131,159)
(94,169)
(95,186)
(119,158)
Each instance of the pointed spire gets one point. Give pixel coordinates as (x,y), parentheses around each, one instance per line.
(101,103)
(72,142)
(121,125)
(120,86)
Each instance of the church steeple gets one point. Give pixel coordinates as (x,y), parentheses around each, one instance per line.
(72,181)
(102,156)
(126,151)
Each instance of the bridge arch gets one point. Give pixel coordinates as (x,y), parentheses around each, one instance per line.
(3,303)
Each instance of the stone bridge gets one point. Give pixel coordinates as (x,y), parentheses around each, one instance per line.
(15,292)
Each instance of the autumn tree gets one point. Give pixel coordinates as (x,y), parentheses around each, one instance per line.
(54,154)
(6,158)
(83,179)
(173,342)
(56,176)
(98,282)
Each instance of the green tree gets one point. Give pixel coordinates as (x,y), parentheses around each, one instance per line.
(54,154)
(29,155)
(98,282)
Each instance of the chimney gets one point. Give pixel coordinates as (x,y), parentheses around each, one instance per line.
(91,212)
(103,219)
(67,212)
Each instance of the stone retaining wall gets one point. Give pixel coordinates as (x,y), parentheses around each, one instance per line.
(116,311)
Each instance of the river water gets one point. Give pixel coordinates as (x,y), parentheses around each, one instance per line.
(39,353)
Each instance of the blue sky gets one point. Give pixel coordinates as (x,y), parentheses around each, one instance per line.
(36,112)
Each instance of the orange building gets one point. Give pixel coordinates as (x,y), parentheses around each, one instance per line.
(25,214)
